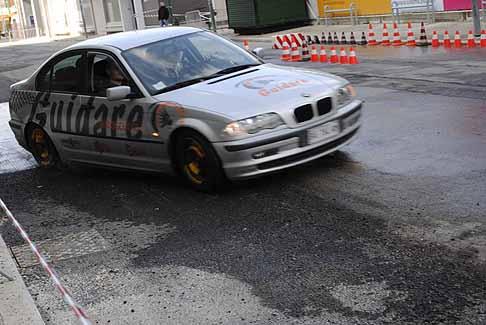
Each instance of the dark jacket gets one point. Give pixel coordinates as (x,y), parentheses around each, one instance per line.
(163,13)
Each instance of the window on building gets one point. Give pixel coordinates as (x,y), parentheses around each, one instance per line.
(112,11)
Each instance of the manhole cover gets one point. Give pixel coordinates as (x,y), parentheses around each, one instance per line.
(62,248)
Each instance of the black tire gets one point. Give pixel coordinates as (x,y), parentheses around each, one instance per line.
(197,162)
(42,147)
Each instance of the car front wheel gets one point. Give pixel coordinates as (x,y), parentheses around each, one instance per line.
(198,163)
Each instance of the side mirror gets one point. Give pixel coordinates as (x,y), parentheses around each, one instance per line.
(118,93)
(259,51)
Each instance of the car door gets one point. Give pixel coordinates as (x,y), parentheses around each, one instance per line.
(120,130)
(60,84)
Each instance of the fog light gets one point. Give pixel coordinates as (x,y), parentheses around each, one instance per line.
(265,153)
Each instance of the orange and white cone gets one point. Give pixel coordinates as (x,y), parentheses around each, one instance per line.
(482,42)
(285,53)
(410,36)
(385,41)
(334,56)
(371,35)
(305,52)
(246,44)
(295,54)
(343,58)
(323,54)
(352,56)
(314,55)
(435,40)
(447,39)
(471,42)
(457,40)
(423,36)
(397,41)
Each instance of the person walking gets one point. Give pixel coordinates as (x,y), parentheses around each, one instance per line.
(163,15)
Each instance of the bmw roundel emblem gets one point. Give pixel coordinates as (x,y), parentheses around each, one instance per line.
(306,95)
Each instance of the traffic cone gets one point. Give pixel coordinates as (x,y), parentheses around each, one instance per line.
(286,53)
(317,40)
(343,39)
(336,39)
(295,54)
(397,41)
(423,36)
(329,39)
(334,57)
(323,38)
(371,35)
(309,40)
(457,40)
(435,40)
(305,52)
(314,56)
(363,39)
(471,42)
(352,56)
(410,36)
(385,41)
(352,40)
(246,44)
(323,54)
(483,38)
(447,39)
(343,58)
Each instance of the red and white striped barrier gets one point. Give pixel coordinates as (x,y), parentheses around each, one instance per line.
(77,310)
(280,40)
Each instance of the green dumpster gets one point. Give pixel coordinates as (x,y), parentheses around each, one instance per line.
(261,16)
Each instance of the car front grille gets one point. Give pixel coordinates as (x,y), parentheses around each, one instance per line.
(305,113)
(324,106)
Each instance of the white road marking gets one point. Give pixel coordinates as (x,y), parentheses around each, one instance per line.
(12,156)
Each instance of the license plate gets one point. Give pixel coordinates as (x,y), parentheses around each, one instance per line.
(323,132)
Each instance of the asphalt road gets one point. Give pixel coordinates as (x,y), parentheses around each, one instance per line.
(389,230)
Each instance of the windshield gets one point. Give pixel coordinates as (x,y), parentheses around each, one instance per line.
(180,61)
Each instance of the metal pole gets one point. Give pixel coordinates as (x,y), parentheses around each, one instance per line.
(213,19)
(475,14)
(82,17)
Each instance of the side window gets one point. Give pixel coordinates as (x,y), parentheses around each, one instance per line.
(104,73)
(44,79)
(67,75)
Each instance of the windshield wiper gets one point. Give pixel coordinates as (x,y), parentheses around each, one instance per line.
(183,84)
(235,68)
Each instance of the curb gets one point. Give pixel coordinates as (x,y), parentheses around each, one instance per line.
(16,303)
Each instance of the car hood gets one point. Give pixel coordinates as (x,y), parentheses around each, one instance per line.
(257,90)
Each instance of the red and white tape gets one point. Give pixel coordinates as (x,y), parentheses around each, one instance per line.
(77,310)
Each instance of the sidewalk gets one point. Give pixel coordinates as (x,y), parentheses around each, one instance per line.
(16,304)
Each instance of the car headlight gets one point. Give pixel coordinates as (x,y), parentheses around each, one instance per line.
(345,95)
(253,124)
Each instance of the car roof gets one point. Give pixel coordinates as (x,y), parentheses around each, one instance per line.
(131,39)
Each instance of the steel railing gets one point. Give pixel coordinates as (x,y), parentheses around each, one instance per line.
(428,5)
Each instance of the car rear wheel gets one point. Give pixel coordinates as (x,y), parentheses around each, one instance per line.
(42,147)
(198,163)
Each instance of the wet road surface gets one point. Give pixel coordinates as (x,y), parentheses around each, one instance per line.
(391,229)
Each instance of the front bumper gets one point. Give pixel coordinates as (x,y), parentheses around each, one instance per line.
(286,148)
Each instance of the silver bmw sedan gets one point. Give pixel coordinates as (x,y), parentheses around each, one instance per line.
(183,100)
